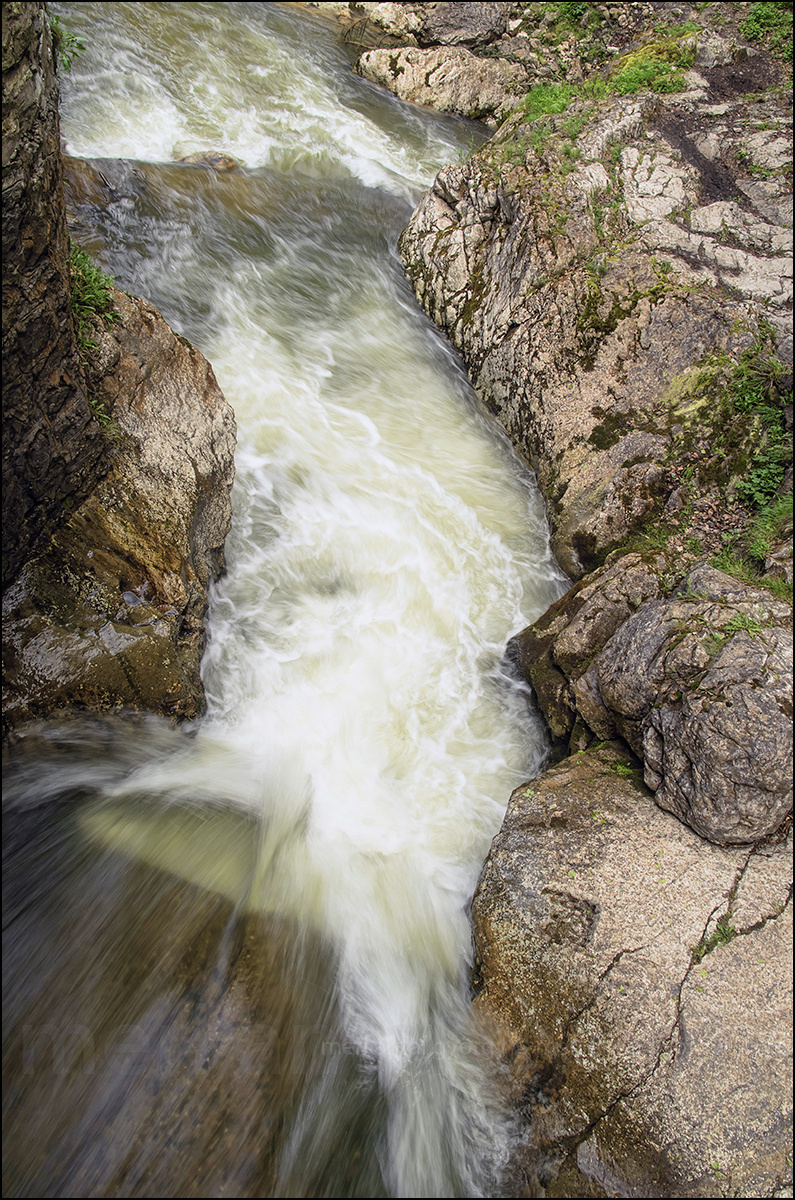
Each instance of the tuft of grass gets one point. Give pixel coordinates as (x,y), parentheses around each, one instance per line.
(595,88)
(547,99)
(724,932)
(773,524)
(572,13)
(656,67)
(91,296)
(755,392)
(741,621)
(770,24)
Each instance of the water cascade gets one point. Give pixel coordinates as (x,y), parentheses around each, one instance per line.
(237,955)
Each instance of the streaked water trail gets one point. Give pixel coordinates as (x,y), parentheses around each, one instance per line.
(272,908)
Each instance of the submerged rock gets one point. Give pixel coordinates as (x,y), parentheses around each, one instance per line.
(211,159)
(111,614)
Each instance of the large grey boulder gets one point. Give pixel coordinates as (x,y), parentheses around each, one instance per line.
(699,684)
(556,654)
(472,24)
(637,981)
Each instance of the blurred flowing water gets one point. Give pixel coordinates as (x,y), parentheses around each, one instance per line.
(237,956)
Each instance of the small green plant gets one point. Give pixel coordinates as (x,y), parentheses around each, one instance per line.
(714,643)
(572,126)
(744,558)
(770,24)
(546,99)
(91,296)
(773,524)
(724,932)
(571,12)
(595,88)
(106,421)
(755,393)
(651,76)
(657,66)
(741,621)
(64,44)
(678,31)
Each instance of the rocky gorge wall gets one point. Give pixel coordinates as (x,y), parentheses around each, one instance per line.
(118,452)
(615,268)
(52,449)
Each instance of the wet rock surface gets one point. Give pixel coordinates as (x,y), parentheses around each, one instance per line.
(111,614)
(452,80)
(117,453)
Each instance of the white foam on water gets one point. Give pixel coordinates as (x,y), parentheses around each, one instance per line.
(385,547)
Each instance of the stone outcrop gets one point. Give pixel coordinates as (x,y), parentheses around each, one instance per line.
(462,24)
(638,983)
(430,59)
(110,615)
(598,317)
(699,685)
(117,457)
(52,449)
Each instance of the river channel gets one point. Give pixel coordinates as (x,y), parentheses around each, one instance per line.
(237,955)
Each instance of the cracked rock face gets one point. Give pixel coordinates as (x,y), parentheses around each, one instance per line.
(52,450)
(637,982)
(463,24)
(589,279)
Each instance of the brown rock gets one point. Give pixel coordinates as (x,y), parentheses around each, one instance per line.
(52,452)
(212,159)
(111,615)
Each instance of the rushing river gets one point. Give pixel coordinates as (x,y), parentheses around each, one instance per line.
(237,956)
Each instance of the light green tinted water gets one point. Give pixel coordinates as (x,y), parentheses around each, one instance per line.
(269,916)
